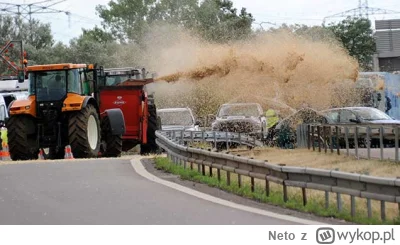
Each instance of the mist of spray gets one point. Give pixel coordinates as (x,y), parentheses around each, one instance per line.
(278,70)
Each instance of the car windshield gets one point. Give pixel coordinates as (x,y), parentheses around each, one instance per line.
(239,110)
(371,114)
(176,118)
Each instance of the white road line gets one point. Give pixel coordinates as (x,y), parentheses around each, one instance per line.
(140,169)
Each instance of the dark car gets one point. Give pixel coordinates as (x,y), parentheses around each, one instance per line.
(358,115)
(364,117)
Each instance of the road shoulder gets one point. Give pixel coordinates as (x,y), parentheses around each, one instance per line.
(149,166)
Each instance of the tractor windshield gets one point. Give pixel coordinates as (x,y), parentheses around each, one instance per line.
(52,85)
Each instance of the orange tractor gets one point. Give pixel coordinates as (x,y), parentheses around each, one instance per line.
(63,108)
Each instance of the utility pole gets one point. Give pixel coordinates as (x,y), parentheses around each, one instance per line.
(362,11)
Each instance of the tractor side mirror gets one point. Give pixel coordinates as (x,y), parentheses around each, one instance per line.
(21,76)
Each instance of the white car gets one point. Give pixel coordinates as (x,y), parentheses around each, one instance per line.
(177,119)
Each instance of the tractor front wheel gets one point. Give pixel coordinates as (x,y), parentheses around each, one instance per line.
(84,132)
(22,145)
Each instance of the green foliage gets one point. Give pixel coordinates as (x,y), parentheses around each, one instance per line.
(216,20)
(356,35)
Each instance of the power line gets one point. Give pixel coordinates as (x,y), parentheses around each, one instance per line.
(363,10)
(27,10)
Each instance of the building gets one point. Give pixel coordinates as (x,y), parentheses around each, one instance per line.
(387,36)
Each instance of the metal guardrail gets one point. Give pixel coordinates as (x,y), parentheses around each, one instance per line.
(213,137)
(363,140)
(329,181)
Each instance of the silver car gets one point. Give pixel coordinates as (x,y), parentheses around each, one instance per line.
(178,119)
(241,118)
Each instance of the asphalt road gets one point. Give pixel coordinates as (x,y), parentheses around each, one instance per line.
(100,192)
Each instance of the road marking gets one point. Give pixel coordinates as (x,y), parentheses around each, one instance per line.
(140,169)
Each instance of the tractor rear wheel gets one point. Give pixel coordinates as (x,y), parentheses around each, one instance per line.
(151,146)
(84,132)
(22,146)
(113,143)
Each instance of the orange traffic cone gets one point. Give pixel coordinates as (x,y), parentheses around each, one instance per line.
(68,152)
(5,153)
(41,155)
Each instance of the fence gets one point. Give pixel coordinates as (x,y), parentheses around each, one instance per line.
(329,181)
(362,140)
(224,138)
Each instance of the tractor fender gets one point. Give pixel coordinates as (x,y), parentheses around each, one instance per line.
(116,119)
(89,100)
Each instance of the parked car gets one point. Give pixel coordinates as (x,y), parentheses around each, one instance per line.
(363,116)
(178,119)
(358,115)
(241,118)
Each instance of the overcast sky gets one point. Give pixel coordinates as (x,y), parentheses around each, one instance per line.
(310,12)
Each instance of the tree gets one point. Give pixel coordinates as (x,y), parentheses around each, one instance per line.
(220,22)
(126,19)
(356,35)
(216,20)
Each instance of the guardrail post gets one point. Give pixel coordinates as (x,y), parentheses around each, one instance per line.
(239,180)
(227,141)
(182,137)
(356,141)
(396,144)
(191,137)
(285,194)
(215,139)
(369,208)
(319,138)
(326,199)
(191,166)
(304,193)
(202,137)
(353,206)
(211,171)
(173,135)
(368,142)
(381,131)
(228,178)
(312,137)
(339,201)
(252,184)
(219,174)
(346,132)
(203,169)
(199,168)
(383,211)
(337,140)
(267,189)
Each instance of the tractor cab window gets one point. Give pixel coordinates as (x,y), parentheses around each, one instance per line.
(115,80)
(74,81)
(48,85)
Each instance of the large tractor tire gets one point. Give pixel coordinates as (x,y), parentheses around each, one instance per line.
(151,146)
(22,146)
(84,132)
(113,143)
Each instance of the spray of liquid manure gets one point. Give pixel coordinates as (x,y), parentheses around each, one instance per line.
(278,70)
